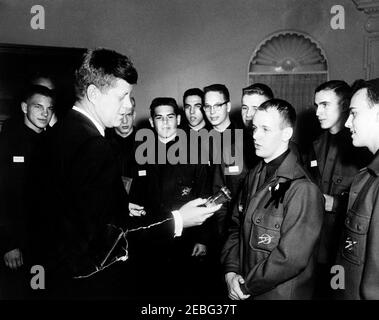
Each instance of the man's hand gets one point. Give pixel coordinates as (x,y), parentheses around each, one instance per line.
(199,250)
(328,202)
(233,281)
(194,215)
(135,210)
(13,259)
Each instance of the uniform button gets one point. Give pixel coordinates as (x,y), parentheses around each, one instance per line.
(258,220)
(277,226)
(339,180)
(359,227)
(347,220)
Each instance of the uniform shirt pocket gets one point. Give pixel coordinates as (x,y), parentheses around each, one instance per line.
(354,237)
(265,231)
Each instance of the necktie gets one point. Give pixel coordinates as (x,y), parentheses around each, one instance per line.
(262,175)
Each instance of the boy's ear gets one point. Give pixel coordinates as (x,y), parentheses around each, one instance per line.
(24,107)
(151,122)
(287,133)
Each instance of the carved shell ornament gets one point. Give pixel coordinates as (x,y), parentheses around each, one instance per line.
(288,52)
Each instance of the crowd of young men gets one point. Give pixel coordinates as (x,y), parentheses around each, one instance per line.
(76,198)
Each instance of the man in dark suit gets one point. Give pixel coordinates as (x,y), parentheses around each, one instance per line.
(89,205)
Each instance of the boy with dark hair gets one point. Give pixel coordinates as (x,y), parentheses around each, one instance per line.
(332,161)
(177,270)
(18,145)
(193,101)
(358,251)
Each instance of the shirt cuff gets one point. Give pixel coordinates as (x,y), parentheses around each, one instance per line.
(178,223)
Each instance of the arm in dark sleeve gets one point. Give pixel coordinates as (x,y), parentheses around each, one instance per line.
(230,254)
(203,189)
(370,279)
(8,227)
(100,200)
(299,234)
(218,180)
(340,202)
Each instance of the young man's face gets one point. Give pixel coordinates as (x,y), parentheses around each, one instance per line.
(216,108)
(112,103)
(250,103)
(363,121)
(165,121)
(38,110)
(192,109)
(329,112)
(126,125)
(269,136)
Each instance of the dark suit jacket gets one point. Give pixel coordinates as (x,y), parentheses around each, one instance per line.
(18,145)
(86,196)
(168,187)
(231,173)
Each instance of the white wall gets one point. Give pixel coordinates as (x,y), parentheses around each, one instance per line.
(176,44)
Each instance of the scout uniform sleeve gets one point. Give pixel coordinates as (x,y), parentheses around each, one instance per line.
(370,278)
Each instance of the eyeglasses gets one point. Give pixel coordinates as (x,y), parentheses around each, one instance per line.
(216,107)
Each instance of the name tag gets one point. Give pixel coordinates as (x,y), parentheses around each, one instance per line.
(234,169)
(314,163)
(142,173)
(18,159)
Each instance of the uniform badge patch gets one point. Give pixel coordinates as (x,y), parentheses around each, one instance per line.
(186,191)
(314,163)
(350,243)
(265,239)
(18,159)
(233,169)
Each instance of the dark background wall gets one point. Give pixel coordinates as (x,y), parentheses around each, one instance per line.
(176,44)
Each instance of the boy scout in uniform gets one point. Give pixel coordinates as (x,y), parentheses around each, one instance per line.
(270,251)
(358,251)
(332,161)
